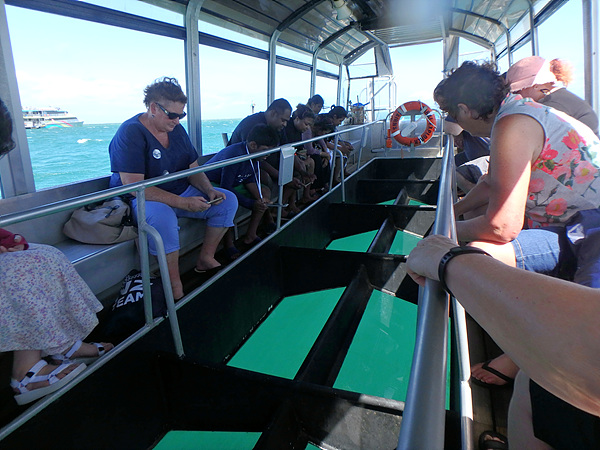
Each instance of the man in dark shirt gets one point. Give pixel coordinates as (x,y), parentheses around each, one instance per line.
(276,116)
(244,179)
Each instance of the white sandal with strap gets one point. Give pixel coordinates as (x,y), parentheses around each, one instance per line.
(27,396)
(83,359)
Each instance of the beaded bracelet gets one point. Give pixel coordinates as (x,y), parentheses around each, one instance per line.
(455,251)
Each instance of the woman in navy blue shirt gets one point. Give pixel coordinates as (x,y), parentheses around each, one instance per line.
(153,144)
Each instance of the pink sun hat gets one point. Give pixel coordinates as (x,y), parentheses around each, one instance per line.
(528,72)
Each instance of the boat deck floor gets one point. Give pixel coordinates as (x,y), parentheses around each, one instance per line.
(219,316)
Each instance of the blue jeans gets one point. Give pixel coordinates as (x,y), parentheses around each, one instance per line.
(541,250)
(164,218)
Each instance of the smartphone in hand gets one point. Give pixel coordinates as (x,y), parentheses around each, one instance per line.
(215,200)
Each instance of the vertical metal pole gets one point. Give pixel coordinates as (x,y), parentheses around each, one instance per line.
(145,229)
(533,31)
(272,66)
(362,144)
(423,421)
(372,98)
(590,51)
(280,206)
(164,274)
(342,180)
(338,100)
(313,72)
(333,162)
(144,259)
(192,73)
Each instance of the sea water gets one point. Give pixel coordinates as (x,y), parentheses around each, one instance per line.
(65,155)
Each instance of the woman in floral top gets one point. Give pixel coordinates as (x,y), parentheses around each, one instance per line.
(544,169)
(545,162)
(45,309)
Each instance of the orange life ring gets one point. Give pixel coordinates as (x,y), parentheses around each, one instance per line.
(403,110)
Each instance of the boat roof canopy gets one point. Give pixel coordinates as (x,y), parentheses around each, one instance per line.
(328,28)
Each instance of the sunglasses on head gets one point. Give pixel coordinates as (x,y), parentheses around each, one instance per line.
(171,115)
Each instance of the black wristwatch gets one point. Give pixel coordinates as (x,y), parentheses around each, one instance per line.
(455,251)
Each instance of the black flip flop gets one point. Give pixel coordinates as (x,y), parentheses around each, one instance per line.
(209,272)
(492,444)
(485,366)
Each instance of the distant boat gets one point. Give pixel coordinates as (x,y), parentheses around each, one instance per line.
(49,117)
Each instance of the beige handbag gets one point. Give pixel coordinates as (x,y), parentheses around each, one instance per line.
(108,222)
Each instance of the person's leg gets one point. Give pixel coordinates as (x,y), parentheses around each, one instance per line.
(24,360)
(81,350)
(501,252)
(488,372)
(534,250)
(257,216)
(252,231)
(163,218)
(310,169)
(229,243)
(206,258)
(174,277)
(289,198)
(219,218)
(520,423)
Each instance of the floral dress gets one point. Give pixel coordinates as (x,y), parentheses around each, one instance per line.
(44,303)
(565,178)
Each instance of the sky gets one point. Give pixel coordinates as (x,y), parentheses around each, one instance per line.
(98,72)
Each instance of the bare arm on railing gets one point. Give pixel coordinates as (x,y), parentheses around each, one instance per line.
(547,325)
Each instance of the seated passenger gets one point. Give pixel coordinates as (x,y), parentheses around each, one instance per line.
(46,309)
(276,116)
(537,160)
(546,82)
(319,151)
(154,143)
(244,178)
(304,167)
(541,80)
(315,103)
(543,166)
(338,114)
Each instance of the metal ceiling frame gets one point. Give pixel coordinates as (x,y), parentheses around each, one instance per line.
(493,21)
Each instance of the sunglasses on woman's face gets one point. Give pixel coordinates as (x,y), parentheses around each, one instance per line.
(171,115)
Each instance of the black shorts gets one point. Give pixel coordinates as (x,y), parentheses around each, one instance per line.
(560,424)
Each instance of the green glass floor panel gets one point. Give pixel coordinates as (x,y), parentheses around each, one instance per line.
(416,202)
(280,345)
(404,242)
(380,356)
(209,440)
(356,243)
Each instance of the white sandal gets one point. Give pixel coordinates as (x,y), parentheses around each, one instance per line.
(66,358)
(27,396)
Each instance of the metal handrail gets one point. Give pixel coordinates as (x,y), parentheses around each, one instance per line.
(423,420)
(146,230)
